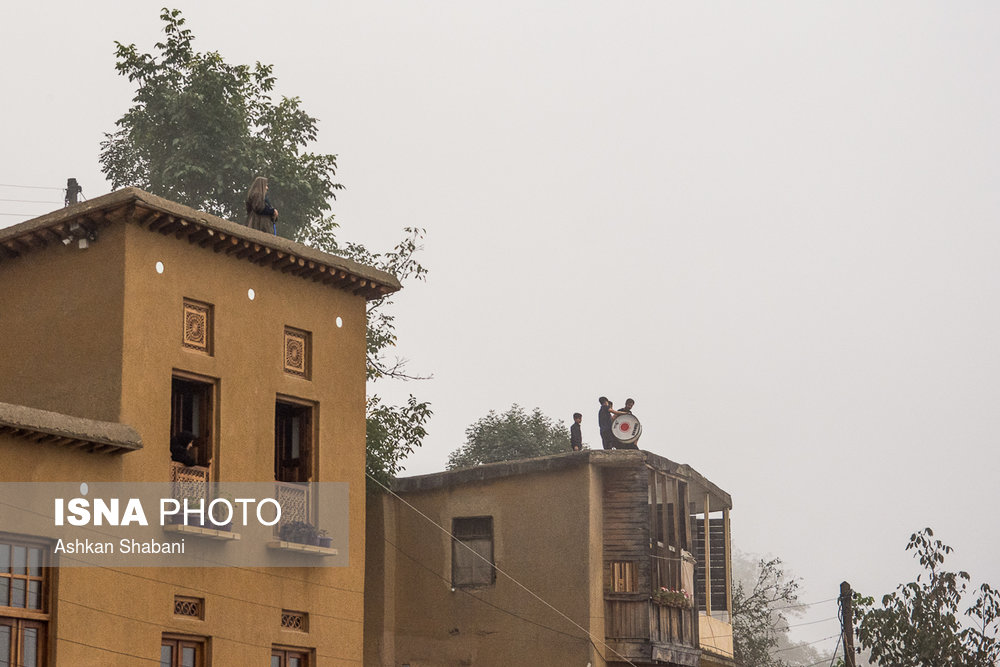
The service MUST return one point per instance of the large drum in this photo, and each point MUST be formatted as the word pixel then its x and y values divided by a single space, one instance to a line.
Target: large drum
pixel 626 429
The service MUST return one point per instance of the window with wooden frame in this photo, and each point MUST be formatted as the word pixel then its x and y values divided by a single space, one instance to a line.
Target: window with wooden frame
pixel 182 651
pixel 197 331
pixel 192 409
pixel 472 552
pixel 624 576
pixel 290 657
pixel 293 437
pixel 24 608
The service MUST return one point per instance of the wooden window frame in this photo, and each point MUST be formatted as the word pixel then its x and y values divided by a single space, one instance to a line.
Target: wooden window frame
pixel 180 642
pixel 464 537
pixel 624 576
pixel 208 401
pixel 306 463
pixel 19 619
pixel 283 653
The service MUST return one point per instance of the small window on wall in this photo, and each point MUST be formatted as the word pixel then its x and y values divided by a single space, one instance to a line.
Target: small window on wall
pixel 472 552
pixel 182 651
pixel 297 352
pixel 624 577
pixel 192 411
pixel 197 332
pixel 293 425
pixel 289 657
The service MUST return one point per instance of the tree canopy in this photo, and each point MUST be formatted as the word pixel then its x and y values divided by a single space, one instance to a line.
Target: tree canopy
pixel 199 130
pixel 919 625
pixel 514 434
pixel 763 594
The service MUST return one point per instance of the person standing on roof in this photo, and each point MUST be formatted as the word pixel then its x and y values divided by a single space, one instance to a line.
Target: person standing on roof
pixel 604 420
pixel 575 436
pixel 260 214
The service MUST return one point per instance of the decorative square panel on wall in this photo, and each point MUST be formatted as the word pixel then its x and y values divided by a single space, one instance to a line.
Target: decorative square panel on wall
pixel 297 352
pixel 197 326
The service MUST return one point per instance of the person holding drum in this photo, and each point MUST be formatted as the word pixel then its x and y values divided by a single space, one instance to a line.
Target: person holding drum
pixel 631 426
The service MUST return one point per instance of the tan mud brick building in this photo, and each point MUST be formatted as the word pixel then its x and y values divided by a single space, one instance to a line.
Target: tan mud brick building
pixel 127 319
pixel 590 537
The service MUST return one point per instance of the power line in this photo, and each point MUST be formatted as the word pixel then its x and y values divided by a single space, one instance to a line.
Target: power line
pixel 33 201
pixel 31 187
pixel 790 648
pixel 174 628
pixel 504 573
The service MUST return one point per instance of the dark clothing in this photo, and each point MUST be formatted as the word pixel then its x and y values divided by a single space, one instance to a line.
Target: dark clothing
pixel 182 455
pixel 604 423
pixel 262 218
pixel 575 437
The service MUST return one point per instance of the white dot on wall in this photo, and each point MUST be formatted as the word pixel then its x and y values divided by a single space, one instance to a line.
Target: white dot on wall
pixel 159 267
pixel 340 322
pixel 83 489
pixel 251 294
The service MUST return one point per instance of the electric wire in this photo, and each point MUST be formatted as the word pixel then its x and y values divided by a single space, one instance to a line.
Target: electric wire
pixel 476 597
pixel 173 628
pixel 499 570
pixel 33 201
pixel 31 187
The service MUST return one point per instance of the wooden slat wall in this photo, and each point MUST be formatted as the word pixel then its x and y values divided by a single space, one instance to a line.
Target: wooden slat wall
pixel 719 565
pixel 627 520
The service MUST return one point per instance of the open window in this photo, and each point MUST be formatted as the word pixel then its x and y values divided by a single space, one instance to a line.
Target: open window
pixel 293 451
pixel 192 410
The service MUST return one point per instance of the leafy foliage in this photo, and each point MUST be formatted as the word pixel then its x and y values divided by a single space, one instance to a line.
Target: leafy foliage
pixel 512 435
pixel 199 131
pixel 919 625
pixel 393 432
pixel 763 597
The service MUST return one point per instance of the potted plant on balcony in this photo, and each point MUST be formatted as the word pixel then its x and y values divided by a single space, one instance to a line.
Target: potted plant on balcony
pixel 323 539
pixel 299 532
pixel 666 597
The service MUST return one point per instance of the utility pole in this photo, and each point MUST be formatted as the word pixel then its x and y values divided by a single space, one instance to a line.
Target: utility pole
pixel 847 623
pixel 72 190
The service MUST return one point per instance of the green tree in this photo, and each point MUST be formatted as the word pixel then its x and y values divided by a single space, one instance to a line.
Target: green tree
pixel 512 435
pixel 199 130
pixel 764 595
pixel 393 431
pixel 919 625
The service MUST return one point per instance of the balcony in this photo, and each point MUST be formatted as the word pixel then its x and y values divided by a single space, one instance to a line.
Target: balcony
pixel 642 630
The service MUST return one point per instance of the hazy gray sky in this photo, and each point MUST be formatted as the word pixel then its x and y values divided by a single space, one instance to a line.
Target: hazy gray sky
pixel 772 224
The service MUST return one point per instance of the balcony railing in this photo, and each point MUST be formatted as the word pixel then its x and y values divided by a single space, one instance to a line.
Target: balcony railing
pixel 294 500
pixel 189 481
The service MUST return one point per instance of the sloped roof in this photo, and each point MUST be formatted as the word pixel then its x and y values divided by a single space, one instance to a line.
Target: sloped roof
pixel 44 427
pixel 155 214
